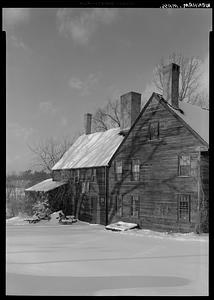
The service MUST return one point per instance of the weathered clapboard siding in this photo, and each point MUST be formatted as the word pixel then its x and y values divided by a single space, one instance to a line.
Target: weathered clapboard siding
pixel 160 183
pixel 90 204
pixel 204 172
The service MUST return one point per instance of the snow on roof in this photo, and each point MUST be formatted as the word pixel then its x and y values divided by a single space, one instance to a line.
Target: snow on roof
pixel 91 150
pixel 96 149
pixel 45 185
pixel 196 117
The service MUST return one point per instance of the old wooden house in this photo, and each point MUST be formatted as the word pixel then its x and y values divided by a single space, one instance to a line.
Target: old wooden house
pixel 153 170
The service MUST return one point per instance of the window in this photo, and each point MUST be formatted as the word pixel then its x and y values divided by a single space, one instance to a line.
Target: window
pixel 118 170
pixel 89 174
pixel 153 130
pixel 77 175
pixel 135 171
pixel 85 187
pixel 118 202
pixel 184 207
pixel 93 177
pixel 135 206
pixel 184 165
pixel 83 174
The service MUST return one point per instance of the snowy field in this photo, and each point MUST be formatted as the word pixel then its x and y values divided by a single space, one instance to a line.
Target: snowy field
pixel 83 259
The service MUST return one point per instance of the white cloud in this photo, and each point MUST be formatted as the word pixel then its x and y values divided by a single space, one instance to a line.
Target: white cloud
pixel 76 83
pixel 84 86
pixel 204 79
pixel 64 121
pixel 47 107
pixel 18 43
pixel 17 131
pixel 14 16
pixel 80 24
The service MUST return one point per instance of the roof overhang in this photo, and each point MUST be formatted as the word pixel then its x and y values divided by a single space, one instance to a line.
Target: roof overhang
pixel 45 186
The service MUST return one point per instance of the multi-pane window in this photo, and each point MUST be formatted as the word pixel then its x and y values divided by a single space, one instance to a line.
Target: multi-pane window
pixel 118 170
pixel 135 206
pixel 135 170
pixel 119 203
pixel 184 165
pixel 153 130
pixel 184 207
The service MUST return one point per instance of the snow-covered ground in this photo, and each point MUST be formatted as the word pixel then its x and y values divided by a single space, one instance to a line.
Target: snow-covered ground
pixel 82 259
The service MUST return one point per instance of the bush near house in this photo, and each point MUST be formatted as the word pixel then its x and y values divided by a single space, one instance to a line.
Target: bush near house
pixel 16 201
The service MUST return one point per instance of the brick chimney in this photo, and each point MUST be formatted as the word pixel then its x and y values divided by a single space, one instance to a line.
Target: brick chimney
pixel 130 106
pixel 87 123
pixel 171 84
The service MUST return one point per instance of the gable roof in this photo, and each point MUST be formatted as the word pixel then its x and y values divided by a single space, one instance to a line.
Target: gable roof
pixel 98 149
pixel 91 150
pixel 194 116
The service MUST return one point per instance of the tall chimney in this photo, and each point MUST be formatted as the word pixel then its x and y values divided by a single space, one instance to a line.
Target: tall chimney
pixel 171 84
pixel 87 123
pixel 130 106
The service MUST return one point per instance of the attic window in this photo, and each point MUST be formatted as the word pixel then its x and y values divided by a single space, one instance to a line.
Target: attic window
pixel 153 133
pixel 184 165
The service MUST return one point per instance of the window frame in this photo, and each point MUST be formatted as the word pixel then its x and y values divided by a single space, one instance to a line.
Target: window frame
pixel 94 174
pixel 77 175
pixel 157 136
pixel 119 205
pixel 134 173
pixel 184 213
pixel 183 165
pixel 135 206
pixel 118 175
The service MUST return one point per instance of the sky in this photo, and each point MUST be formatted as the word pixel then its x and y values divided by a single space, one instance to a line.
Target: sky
pixel 64 62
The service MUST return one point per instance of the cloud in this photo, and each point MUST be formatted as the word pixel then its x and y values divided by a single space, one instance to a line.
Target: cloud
pixel 47 107
pixel 14 16
pixel 64 121
pixel 81 24
pixel 204 79
pixel 16 130
pixel 18 43
pixel 84 87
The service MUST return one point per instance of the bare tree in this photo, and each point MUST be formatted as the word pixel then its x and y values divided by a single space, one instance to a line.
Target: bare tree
pixel 48 152
pixel 189 75
pixel 107 117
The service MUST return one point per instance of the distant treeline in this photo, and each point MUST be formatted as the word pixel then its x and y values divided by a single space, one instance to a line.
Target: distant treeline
pixel 16 184
pixel 26 178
